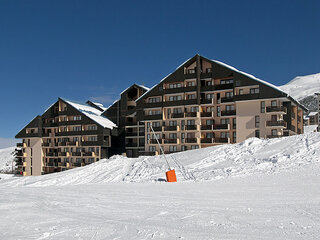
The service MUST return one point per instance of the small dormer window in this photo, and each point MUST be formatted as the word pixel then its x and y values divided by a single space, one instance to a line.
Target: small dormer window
pixel 208 70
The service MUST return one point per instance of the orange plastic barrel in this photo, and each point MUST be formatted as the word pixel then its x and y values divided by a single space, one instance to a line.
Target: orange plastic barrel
pixel 171 176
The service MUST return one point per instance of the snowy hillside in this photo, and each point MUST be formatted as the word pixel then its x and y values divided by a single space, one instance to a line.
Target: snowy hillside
pixel 253 156
pixel 6 159
pixel 303 86
pixel 258 189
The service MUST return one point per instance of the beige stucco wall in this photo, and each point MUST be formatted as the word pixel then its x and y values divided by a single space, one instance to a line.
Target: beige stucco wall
pixel 37 155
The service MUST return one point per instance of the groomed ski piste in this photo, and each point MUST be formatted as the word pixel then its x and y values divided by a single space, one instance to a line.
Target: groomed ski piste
pixel 257 189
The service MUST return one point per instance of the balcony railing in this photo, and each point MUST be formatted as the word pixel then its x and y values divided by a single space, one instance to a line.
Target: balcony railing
pixel 246 97
pixel 206 101
pixel 206 140
pixel 223 86
pixel 166 141
pixel 228 113
pixel 220 126
pixel 177 115
pixel 276 109
pixel 280 123
pixel 153 117
pixel 191 114
pixel 154 141
pixel 191 140
pixel 226 99
pixel 206 114
pixel 131 134
pixel 191 127
pixel 131 144
pixel 156 129
pixel 221 140
pixel 206 127
pixel 170 128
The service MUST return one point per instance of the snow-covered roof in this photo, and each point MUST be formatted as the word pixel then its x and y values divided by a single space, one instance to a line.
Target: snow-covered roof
pixel 111 104
pixel 312 113
pixel 92 113
pixel 250 76
pixel 100 105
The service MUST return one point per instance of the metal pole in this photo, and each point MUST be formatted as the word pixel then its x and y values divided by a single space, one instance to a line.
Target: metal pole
pixel 160 146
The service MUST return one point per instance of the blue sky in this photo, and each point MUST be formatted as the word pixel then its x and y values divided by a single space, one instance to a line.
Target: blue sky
pixel 94 49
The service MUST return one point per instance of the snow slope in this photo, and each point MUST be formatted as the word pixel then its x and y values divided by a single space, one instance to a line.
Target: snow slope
pixel 302 86
pixel 253 156
pixel 258 189
pixel 6 159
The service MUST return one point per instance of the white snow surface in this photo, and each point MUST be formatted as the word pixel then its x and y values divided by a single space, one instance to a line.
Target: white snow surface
pixel 310 128
pixel 257 189
pixel 303 86
pixel 6 159
pixel 93 114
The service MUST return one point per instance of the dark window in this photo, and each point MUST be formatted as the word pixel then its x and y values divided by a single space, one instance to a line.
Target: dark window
pixel 257 133
pixel 257 121
pixel 234 123
pixel 254 90
pixel 263 107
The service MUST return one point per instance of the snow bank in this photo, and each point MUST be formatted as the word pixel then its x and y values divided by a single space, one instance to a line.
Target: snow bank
pixel 253 156
pixel 6 159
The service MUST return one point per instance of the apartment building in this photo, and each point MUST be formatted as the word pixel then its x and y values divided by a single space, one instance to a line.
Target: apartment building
pixel 205 103
pixel 123 113
pixel 202 103
pixel 67 135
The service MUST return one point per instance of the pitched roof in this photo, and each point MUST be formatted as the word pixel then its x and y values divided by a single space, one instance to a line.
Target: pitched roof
pixel 92 113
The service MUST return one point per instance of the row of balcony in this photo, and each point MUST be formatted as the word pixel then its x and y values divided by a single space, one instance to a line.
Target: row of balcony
pixel 190 140
pixel 69 154
pixel 75 144
pixel 189 115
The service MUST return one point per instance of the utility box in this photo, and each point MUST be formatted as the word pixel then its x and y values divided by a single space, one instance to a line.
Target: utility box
pixel 171 176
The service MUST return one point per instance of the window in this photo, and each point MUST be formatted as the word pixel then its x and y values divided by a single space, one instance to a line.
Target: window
pixel 154 99
pixel 209 122
pixel 177 110
pixel 273 103
pixel 154 112
pixel 152 148
pixel 225 135
pixel 190 122
pixel 92 127
pixel 209 96
pixel 160 88
pixel 194 146
pixel 209 109
pixel 191 71
pixel 156 124
pixel 230 108
pixel 208 70
pixel 234 135
pixel 191 83
pixel 274 132
pixel 225 121
pixel 194 109
pixel 209 135
pixel 172 123
pixel 183 148
pixel 240 91
pixel 229 94
pixel 257 121
pixel 191 96
pixel 172 148
pixel 257 133
pixel 92 138
pixel 76 128
pixel 263 107
pixel 228 81
pixel 208 83
pixel 90 160
pixel 175 85
pixel 175 98
pixel 218 111
pixel 75 139
pixel 91 149
pixel 254 90
pixel 76 118
pixel 234 123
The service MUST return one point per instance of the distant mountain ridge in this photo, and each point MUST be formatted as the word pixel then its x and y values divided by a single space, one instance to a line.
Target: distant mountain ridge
pixel 303 88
